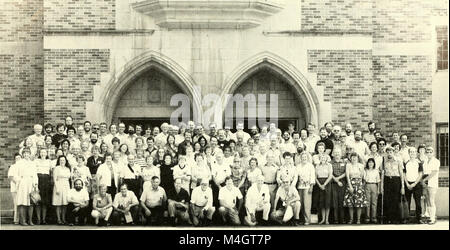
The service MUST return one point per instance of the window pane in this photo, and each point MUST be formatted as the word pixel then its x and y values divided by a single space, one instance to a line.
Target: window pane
pixel 442 143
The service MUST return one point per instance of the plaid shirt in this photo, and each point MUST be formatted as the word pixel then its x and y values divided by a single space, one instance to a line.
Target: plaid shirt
pixel 338 168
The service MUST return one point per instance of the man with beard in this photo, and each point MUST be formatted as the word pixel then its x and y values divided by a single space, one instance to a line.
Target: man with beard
pixel 48 129
pixel 287 145
pixel 87 131
pixel 350 138
pixel 324 138
pixel 78 199
pixel 254 131
pixel 130 139
pixel 359 146
pixel 94 141
pixel 329 127
pixel 222 139
pixel 187 141
pixel 337 142
pixel 370 136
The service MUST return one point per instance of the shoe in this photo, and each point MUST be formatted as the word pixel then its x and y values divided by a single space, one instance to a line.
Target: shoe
pixel 367 221
pixel 23 224
pixel 432 222
pixel 306 224
pixel 358 222
pixel 71 224
pixel 375 221
pixel 44 223
pixel 350 222
pixel 16 223
pixel 297 223
pixel 30 223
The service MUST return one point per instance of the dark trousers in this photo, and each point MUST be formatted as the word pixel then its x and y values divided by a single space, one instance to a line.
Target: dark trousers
pixel 80 214
pixel 156 217
pixel 416 192
pixel 392 194
pixel 112 190
pixel 117 216
pixel 133 185
pixel 337 194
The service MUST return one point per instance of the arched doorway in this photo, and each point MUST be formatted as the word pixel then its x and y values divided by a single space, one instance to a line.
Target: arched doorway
pixel 267 73
pixel 146 101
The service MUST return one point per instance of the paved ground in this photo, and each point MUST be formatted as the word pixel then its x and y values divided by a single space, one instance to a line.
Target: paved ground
pixel 440 225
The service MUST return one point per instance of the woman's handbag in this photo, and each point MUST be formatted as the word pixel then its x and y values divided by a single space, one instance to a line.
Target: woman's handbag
pixel 404 208
pixel 35 197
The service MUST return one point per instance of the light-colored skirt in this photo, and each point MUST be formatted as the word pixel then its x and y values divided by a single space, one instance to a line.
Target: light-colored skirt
pixel 24 188
pixel 61 192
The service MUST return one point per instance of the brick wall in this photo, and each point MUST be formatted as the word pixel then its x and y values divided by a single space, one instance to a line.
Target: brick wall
pixel 21 75
pixel 346 76
pixel 337 15
pixel 402 95
pixel 21 20
pixel 79 14
pixel 70 76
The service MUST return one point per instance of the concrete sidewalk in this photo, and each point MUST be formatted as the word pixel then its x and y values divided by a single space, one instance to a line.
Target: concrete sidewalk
pixel 440 225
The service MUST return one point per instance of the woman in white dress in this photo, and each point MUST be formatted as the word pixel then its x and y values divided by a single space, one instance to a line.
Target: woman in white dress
pixel 27 182
pixel 61 180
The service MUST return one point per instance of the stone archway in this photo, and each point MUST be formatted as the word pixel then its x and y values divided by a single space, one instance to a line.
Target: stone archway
pixel 270 62
pixel 107 98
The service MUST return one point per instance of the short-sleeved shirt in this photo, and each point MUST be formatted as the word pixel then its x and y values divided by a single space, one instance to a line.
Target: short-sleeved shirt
pixel 78 196
pixel 181 196
pixel 153 198
pixel 306 175
pixel 12 173
pixel 391 167
pixel 230 197
pixel 412 169
pixel 328 144
pixel 101 201
pixel 292 194
pixel 125 201
pixel 324 170
pixel 433 165
pixel 221 171
pixel 372 176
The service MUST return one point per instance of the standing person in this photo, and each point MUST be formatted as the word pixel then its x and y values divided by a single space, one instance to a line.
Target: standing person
pixel 93 163
pixel 327 141
pixel 166 172
pixel 78 201
pixel 178 204
pixel 61 180
pixel 102 206
pixel 432 165
pixel 338 185
pixel 148 172
pixel 27 182
pixel 130 174
pixel 370 136
pixel 108 175
pixel 43 167
pixel 202 209
pixel 355 194
pixel 230 202
pixel 200 171
pixel 372 179
pixel 359 146
pixel 154 202
pixel 375 155
pixel 13 182
pixel 422 157
pixel 290 204
pixel 305 183
pixel 219 171
pixel 324 174
pixel 257 199
pixel 269 171
pixel 413 177
pixel 125 206
pixel 59 136
pixel 80 171
pixel 393 186
pixel 254 171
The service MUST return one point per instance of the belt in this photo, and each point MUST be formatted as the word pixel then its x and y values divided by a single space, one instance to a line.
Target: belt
pixel 391 177
pixel 270 183
pixel 371 183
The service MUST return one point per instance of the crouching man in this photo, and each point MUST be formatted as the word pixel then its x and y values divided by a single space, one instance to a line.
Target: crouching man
pixel 78 199
pixel 154 202
pixel 178 204
pixel 230 199
pixel 125 207
pixel 257 200
pixel 290 206
pixel 202 209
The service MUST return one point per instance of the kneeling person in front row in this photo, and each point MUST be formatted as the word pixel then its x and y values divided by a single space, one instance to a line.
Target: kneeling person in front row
pixel 230 199
pixel 154 202
pixel 290 199
pixel 102 206
pixel 78 199
pixel 258 199
pixel 178 204
pixel 202 209
pixel 125 206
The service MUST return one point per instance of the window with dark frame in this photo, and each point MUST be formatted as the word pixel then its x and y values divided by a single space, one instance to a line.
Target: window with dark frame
pixel 442 143
pixel 442 50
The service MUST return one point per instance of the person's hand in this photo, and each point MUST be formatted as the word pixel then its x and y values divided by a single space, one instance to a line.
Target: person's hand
pixel 381 190
pixel 147 212
pixel 76 209
pixel 413 185
pixel 410 187
pixel 340 184
pixel 127 209
pixel 322 187
pixel 402 191
pixel 310 190
pixel 253 218
pixel 351 190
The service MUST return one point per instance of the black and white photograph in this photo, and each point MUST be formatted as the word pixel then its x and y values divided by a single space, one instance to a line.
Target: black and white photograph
pixel 233 115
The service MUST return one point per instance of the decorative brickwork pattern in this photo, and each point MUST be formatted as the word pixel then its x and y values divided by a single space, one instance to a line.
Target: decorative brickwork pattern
pixel 402 95
pixel 346 76
pixel 70 76
pixel 21 20
pixel 80 14
pixel 337 15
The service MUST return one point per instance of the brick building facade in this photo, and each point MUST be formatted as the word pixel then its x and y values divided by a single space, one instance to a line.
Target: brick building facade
pixel 335 60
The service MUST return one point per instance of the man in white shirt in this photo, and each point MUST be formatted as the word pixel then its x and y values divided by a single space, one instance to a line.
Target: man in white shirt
pixel 432 166
pixel 287 145
pixel 230 199
pixel 359 146
pixel 404 148
pixel 350 138
pixel 257 199
pixel 154 203
pixel 413 176
pixel 161 138
pixel 108 138
pixel 125 206
pixel 202 209
pixel 121 134
pixel 78 199
pixel 108 174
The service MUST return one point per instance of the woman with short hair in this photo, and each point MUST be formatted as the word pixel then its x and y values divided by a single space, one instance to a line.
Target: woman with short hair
pixel 355 194
pixel 43 168
pixel 27 182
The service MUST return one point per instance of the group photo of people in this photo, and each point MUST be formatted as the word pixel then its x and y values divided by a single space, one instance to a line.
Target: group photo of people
pixel 189 174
